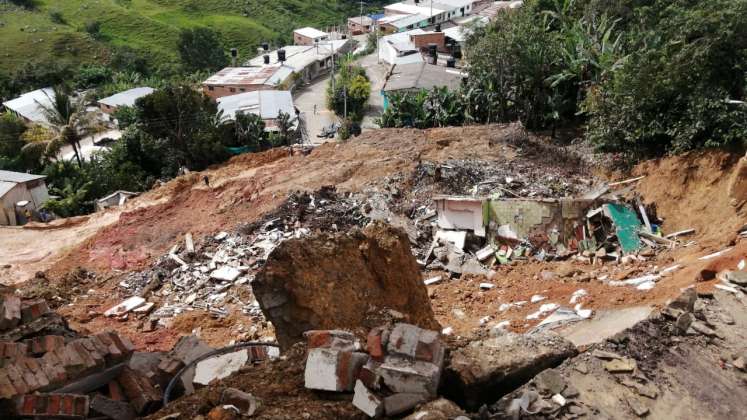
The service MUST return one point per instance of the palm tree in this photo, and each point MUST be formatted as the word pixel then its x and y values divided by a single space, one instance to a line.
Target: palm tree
pixel 69 121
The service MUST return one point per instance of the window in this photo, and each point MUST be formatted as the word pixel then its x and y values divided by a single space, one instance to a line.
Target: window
pixel 242 90
pixel 232 89
pixel 210 88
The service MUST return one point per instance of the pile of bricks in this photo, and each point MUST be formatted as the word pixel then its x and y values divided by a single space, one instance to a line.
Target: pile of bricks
pixel 399 369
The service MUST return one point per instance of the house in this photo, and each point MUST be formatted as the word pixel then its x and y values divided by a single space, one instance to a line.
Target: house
pixel 236 80
pixel 268 104
pixel 110 104
pixel 115 199
pixel 20 192
pixel 490 12
pixel 417 76
pixel 30 106
pixel 306 62
pixel 400 23
pixel 405 47
pixel 436 11
pixel 360 25
pixel 309 36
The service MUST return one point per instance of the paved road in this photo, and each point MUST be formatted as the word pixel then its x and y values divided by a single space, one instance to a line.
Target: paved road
pixel 305 99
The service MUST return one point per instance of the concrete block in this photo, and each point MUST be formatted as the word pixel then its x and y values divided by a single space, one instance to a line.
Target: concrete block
pixel 367 401
pixel 414 342
pixel 219 367
pixel 402 402
pixel 408 376
pixel 369 375
pixel 332 370
pixel 10 312
pixel 69 406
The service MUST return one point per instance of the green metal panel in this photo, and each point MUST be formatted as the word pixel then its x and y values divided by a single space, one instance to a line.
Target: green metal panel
pixel 627 226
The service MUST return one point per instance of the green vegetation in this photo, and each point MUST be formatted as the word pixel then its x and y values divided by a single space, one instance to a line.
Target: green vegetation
pixel 643 77
pixel 65 34
pixel 351 91
pixel 200 49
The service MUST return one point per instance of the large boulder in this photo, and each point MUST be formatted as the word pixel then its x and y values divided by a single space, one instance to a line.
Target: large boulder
pixel 485 370
pixel 342 281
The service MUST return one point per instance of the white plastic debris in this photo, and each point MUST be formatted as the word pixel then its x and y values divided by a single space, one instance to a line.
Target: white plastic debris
pixel 741 265
pixel 432 280
pixel 484 320
pixel 578 294
pixel 546 308
pixel 715 254
pixel 447 331
pixel 583 313
pixel 221 236
pixel 486 286
pixel 646 285
pixel 537 298
pixel 559 400
pixel 225 273
pixel 671 269
pixel 636 281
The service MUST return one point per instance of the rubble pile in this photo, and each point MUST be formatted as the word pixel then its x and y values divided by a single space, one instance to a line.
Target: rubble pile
pixel 215 275
pixel 693 349
pixel 54 372
pixel 342 281
pixel 514 179
pixel 399 369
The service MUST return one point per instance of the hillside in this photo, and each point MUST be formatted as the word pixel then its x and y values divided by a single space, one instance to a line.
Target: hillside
pixel 151 26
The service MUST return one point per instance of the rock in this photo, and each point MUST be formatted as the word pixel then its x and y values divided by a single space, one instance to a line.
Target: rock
pixel 570 391
pixel 739 363
pixel 118 410
pixel 686 300
pixel 402 402
pixel 440 409
pixel 478 371
pixel 605 355
pixel 474 268
pixel 567 270
pixel 226 412
pixel 225 273
pixel 581 368
pixel 637 406
pixel 331 281
pixel 646 390
pixel 550 381
pixel 737 277
pixel 219 367
pixel 245 402
pixel 683 322
pixel 559 400
pixel 702 328
pixel 620 365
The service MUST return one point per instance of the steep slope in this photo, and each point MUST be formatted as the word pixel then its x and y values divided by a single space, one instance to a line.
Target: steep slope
pixel 151 25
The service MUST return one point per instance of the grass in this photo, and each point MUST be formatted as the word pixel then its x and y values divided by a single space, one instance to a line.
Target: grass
pixel 153 26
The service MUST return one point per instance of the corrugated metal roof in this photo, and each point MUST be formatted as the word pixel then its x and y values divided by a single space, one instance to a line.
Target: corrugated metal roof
pixel 243 75
pixel 5 187
pixel 412 9
pixel 310 32
pixel 29 105
pixel 298 57
pixel 128 97
pixel 265 103
pixel 18 177
pixel 422 76
pixel 408 20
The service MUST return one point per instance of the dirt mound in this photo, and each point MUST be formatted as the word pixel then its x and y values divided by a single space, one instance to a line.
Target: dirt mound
pixel 342 281
pixel 697 190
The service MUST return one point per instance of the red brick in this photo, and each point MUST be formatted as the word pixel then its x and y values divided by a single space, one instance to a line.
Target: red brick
pixel 318 338
pixel 33 310
pixel 374 344
pixel 115 391
pixel 28 405
pixel 54 404
pixel 38 372
pixel 138 389
pixel 68 402
pixel 16 378
pixel 81 406
pixel 122 343
pixel 6 387
pixel 84 355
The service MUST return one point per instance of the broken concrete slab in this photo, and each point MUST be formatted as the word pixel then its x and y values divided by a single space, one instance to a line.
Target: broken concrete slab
pixel 402 402
pixel 112 409
pixel 485 370
pixel 367 401
pixel 226 273
pixel 125 306
pixel 416 343
pixel 407 376
pixel 622 365
pixel 219 367
pixel 605 324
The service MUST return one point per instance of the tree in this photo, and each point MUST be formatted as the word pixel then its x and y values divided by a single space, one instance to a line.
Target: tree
pixel 250 130
pixel 200 49
pixel 352 88
pixel 69 119
pixel 286 135
pixel 11 141
pixel 186 120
